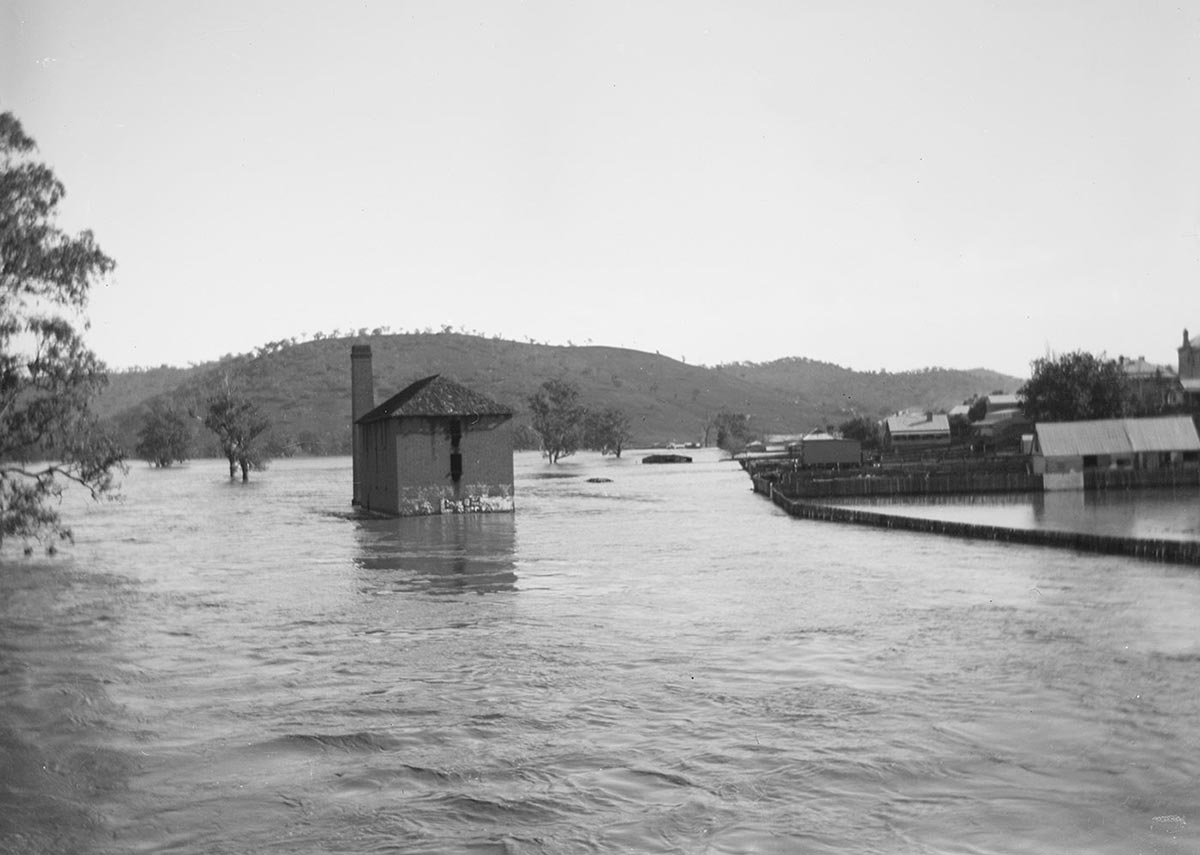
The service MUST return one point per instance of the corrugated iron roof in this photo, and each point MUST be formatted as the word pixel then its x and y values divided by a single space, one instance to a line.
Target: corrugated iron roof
pixel 1075 439
pixel 1117 436
pixel 1169 433
pixel 436 396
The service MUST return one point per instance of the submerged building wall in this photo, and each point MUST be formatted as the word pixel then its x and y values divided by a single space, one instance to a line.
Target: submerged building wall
pixel 440 469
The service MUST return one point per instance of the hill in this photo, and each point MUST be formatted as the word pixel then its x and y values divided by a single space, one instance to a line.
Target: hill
pixel 305 388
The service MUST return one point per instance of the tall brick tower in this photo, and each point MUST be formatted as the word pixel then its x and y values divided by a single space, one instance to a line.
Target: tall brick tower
pixel 362 401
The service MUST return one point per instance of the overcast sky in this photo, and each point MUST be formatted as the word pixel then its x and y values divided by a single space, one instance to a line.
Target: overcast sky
pixel 877 184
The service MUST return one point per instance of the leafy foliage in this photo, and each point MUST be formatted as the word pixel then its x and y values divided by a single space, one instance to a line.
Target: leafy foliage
pixel 865 430
pixel 1074 386
pixel 733 430
pixel 606 430
pixel 238 424
pixel 165 437
pixel 557 418
pixel 48 377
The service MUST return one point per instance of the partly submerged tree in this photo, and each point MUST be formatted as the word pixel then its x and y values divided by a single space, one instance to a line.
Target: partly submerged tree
pixel 49 437
pixel 1075 386
pixel 732 429
pixel 606 431
pixel 239 425
pixel 165 436
pixel 557 418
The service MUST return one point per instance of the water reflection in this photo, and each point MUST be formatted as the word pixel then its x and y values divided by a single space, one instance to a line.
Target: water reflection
pixel 1172 514
pixel 444 554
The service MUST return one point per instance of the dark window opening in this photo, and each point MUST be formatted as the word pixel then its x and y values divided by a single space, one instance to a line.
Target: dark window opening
pixel 1090 461
pixel 456 469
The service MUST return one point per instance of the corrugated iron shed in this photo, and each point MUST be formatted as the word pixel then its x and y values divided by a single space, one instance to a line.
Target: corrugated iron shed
pixel 1117 436
pixel 436 396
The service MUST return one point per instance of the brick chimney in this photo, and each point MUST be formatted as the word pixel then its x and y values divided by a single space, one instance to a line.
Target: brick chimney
pixel 362 401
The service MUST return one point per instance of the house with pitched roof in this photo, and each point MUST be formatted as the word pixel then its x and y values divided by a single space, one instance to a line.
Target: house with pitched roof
pixel 434 447
pixel 1154 388
pixel 916 430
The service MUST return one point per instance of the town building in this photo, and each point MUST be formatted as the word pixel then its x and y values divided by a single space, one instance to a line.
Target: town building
pixel 434 447
pixel 1064 451
pixel 1189 372
pixel 1003 422
pixel 916 431
pixel 1154 388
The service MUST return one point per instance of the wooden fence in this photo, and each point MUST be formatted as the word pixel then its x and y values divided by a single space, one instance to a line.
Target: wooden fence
pixel 802 485
pixel 1136 479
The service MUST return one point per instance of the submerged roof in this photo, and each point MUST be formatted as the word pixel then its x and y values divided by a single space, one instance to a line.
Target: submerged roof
pixel 436 396
pixel 1117 436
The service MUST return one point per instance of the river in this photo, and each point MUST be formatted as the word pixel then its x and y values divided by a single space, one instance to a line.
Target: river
pixel 662 662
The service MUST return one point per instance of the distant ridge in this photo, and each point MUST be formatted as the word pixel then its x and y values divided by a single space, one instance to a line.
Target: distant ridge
pixel 305 388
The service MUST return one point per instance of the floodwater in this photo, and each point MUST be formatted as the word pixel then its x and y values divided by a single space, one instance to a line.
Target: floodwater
pixel 1164 514
pixel 663 662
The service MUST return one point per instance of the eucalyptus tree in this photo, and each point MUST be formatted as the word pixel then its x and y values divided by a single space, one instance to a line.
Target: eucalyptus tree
pixel 607 430
pixel 49 436
pixel 240 426
pixel 557 418
pixel 165 436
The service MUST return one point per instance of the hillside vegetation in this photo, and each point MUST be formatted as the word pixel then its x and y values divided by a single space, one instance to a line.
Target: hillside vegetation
pixel 305 388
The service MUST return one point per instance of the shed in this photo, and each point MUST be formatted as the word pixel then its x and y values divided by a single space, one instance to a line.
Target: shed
pixel 434 447
pixel 827 452
pixel 1064 450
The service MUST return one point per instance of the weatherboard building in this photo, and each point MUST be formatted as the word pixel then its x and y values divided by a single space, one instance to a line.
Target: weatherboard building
pixel 434 447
